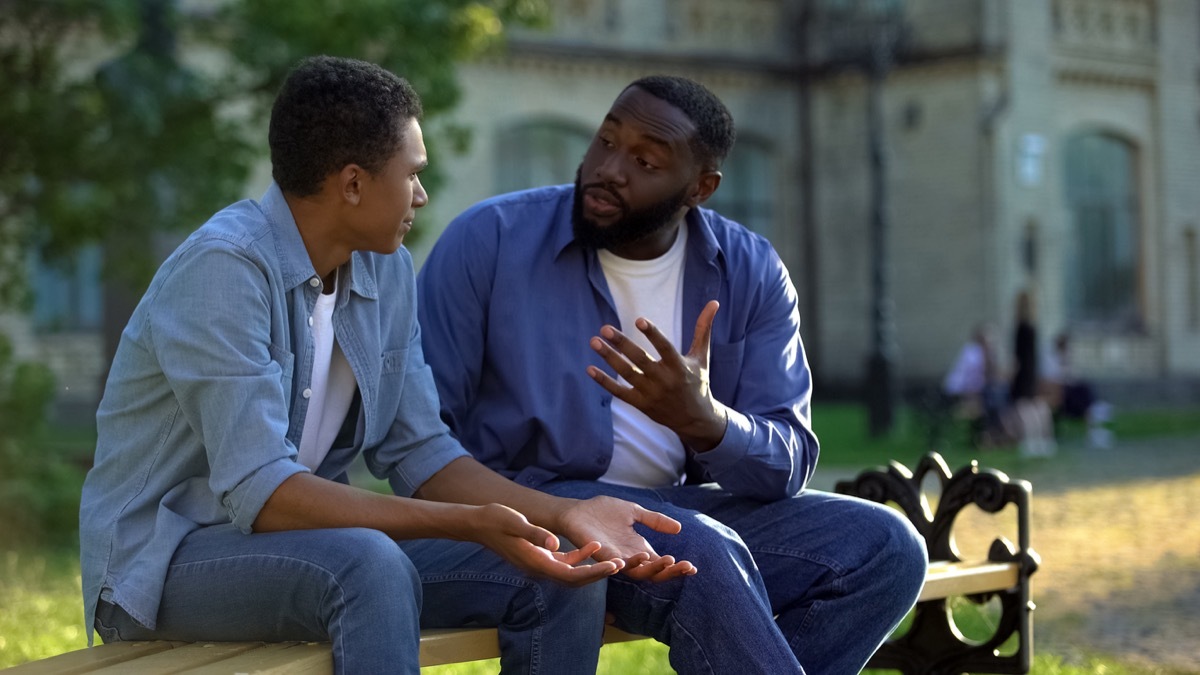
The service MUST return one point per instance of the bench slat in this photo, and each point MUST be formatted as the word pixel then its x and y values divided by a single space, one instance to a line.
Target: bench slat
pixel 946 578
pixel 181 658
pixel 281 658
pixel 440 646
pixel 89 660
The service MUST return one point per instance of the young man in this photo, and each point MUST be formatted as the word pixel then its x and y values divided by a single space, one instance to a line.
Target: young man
pixel 561 326
pixel 273 347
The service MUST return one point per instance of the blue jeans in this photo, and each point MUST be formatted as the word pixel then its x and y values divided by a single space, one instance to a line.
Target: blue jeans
pixel 819 579
pixel 360 590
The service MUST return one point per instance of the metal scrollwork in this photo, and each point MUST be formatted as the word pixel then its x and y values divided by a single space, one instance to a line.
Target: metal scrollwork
pixel 933 643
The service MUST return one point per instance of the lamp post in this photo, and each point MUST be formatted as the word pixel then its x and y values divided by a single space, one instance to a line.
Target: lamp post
pixel 866 34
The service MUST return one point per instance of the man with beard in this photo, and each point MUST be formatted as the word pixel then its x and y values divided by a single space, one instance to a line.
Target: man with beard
pixel 556 321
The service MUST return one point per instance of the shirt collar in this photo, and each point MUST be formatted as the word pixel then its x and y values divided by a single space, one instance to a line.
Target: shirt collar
pixel 294 264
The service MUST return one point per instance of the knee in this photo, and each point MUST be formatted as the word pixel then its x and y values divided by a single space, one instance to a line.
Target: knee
pixel 902 549
pixel 374 565
pixel 704 541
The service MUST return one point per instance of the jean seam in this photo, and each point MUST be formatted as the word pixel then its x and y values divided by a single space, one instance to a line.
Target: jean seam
pixel 341 655
pixel 676 626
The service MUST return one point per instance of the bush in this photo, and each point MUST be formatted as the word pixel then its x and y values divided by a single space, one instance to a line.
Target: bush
pixel 39 486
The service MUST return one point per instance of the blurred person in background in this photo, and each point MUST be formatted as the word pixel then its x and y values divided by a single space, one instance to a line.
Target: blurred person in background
pixel 1072 397
pixel 975 389
pixel 1030 422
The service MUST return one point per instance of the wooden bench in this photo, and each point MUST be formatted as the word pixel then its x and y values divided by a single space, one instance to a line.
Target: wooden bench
pixel 931 645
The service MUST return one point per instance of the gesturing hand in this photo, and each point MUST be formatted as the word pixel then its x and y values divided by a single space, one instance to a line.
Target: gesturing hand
pixel 534 550
pixel 674 390
pixel 610 521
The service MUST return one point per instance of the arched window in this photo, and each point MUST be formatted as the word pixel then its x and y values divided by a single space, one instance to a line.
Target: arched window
pixel 1103 255
pixel 539 152
pixel 747 192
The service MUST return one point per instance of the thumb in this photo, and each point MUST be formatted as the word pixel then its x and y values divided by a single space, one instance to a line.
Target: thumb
pixel 703 334
pixel 657 521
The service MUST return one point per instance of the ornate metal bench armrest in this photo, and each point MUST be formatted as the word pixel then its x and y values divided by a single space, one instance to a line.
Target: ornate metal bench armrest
pixel 933 643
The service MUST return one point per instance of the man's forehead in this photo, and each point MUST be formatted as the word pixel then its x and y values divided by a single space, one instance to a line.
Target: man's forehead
pixel 658 120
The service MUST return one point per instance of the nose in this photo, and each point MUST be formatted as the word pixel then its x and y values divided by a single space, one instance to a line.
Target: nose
pixel 420 197
pixel 610 169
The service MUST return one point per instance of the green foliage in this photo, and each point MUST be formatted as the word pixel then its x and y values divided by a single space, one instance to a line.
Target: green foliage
pixel 39 485
pixel 122 118
pixel 41 608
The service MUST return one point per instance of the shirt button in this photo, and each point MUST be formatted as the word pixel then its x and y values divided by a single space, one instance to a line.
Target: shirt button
pixel 600 461
pixel 314 282
pixel 310 321
pixel 307 393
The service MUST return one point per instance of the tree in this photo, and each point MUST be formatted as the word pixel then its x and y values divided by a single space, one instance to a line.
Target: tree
pixel 164 126
pixel 121 119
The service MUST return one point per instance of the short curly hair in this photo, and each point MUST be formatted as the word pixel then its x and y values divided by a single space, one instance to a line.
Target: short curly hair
pixel 331 112
pixel 715 131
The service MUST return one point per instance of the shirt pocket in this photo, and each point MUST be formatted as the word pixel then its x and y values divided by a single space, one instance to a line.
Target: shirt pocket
pixel 725 369
pixel 393 369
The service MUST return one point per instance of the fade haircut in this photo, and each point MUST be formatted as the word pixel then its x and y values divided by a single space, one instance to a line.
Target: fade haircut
pixel 331 112
pixel 714 125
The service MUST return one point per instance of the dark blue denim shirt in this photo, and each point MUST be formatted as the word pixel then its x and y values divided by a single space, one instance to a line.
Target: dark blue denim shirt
pixel 208 391
pixel 509 301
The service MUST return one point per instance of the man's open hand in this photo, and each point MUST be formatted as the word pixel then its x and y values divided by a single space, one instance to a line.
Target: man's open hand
pixel 674 390
pixel 610 521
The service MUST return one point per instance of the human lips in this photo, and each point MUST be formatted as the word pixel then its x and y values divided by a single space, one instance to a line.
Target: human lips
pixel 601 202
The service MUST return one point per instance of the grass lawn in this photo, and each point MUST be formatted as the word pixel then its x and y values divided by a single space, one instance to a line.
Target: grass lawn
pixel 41 609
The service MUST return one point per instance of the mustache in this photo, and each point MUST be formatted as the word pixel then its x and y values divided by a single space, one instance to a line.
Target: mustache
pixel 612 193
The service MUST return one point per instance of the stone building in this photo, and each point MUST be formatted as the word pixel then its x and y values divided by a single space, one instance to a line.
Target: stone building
pixel 1052 145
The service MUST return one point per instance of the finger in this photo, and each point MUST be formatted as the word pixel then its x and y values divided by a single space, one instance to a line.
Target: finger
pixel 576 556
pixel 657 521
pixel 703 335
pixel 630 349
pixel 623 392
pixel 623 366
pixel 682 568
pixel 540 562
pixel 666 350
pixel 538 536
pixel 647 571
pixel 638 559
pixel 581 575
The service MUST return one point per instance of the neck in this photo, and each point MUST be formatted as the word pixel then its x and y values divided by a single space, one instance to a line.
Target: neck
pixel 317 222
pixel 652 245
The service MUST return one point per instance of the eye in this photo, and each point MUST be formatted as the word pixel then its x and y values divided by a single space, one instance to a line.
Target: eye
pixel 644 164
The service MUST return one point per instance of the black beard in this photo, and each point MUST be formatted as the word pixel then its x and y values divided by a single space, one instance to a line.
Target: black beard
pixel 633 226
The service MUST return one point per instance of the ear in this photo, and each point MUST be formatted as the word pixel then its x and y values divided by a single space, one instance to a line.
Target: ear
pixel 707 184
pixel 350 183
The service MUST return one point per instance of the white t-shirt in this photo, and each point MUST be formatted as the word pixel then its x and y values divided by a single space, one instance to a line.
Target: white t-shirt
pixel 332 388
pixel 645 453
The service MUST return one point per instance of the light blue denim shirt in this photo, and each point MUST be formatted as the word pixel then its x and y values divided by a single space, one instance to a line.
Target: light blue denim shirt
pixel 509 302
pixel 208 391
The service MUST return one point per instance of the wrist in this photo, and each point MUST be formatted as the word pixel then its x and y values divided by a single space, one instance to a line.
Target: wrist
pixel 707 433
